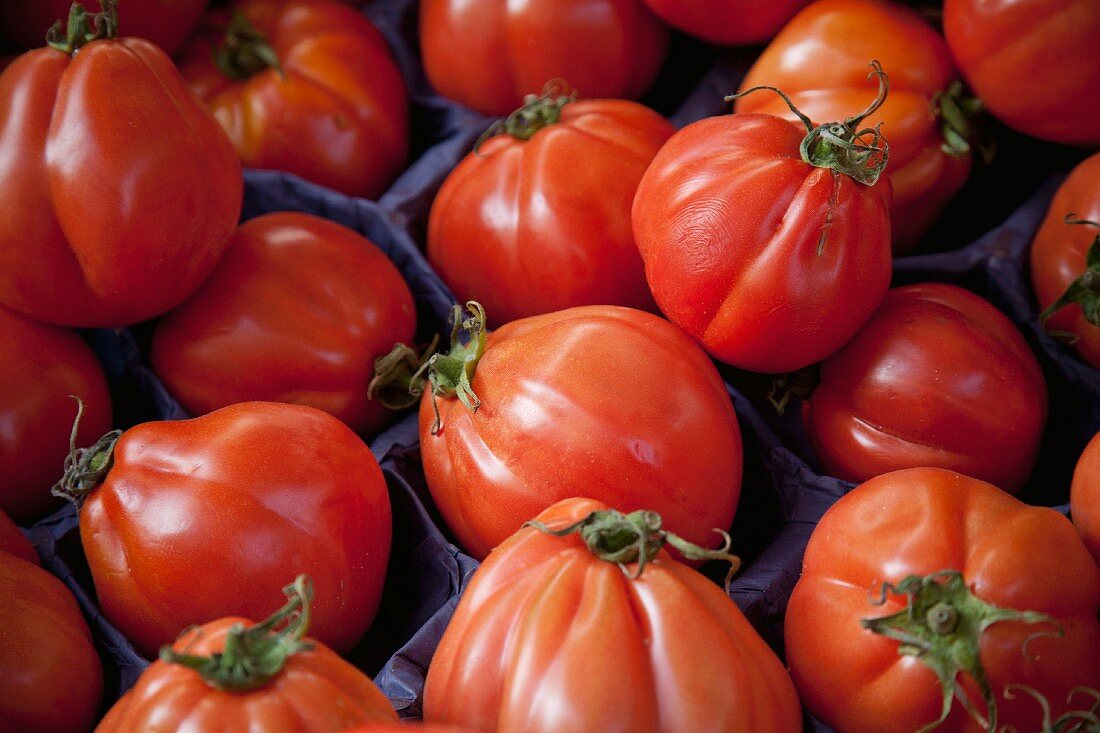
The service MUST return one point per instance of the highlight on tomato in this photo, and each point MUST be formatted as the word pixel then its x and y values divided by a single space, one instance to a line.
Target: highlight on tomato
pixel 588 625
pixel 727 22
pixel 1084 497
pixel 235 676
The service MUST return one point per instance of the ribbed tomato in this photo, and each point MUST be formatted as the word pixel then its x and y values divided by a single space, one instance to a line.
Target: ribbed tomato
pixel 727 21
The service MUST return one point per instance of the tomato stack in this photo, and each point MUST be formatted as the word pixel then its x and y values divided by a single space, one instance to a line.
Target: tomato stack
pixel 572 364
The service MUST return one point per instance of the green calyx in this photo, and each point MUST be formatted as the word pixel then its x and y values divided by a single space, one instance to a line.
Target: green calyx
pixel 960 119
pixel 636 537
pixel 245 51
pixel 1082 720
pixel 254 655
pixel 1085 290
pixel 85 468
pixel 83 27
pixel 942 626
pixel 537 112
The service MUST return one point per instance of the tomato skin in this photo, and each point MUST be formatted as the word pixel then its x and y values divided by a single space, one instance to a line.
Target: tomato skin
pixel 728 22
pixel 922 521
pixel 1059 250
pixel 329 120
pixel 728 220
pixel 14 542
pixel 51 679
pixel 479 53
pixel 238 499
pixel 520 228
pixel 123 190
pixel 561 414
pixel 42 366
pixel 937 377
pixel 296 311
pixel 548 637
pixel 1032 62
pixel 1084 497
pixel 833 35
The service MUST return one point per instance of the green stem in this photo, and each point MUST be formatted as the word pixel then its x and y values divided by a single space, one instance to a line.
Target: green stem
pixel 537 112
pixel 83 27
pixel 85 468
pixel 1085 290
pixel 245 51
pixel 961 123
pixel 396 382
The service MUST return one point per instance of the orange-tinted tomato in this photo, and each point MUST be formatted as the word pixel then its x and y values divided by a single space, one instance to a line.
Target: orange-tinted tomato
pixel 1084 497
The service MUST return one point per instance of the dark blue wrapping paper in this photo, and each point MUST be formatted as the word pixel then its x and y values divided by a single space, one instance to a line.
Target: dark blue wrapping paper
pixel 981 243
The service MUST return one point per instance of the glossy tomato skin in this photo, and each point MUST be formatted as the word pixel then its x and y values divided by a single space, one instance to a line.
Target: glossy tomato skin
pixel 487 54
pixel 922 521
pixel 1084 497
pixel 339 115
pixel 1033 63
pixel 837 35
pixel 729 221
pixel 13 541
pixel 1059 251
pixel 238 499
pixel 316 692
pixel 728 22
pixel 548 637
pixel 296 311
pixel 937 377
pixel 561 414
pixel 522 229
pixel 41 366
pixel 122 190
pixel 51 678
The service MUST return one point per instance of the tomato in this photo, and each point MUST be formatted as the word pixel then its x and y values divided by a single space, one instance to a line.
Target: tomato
pixel 390 727
pixel 269 678
pixel 563 410
pixel 487 54
pixel 553 634
pixel 937 377
pixel 520 228
pixel 950 546
pixel 42 365
pixel 1084 496
pixel 13 541
pixel 201 518
pixel 840 36
pixel 767 259
pixel 120 189
pixel 297 311
pixel 727 21
pixel 1060 256
pixel 51 678
pixel 1033 63
pixel 324 100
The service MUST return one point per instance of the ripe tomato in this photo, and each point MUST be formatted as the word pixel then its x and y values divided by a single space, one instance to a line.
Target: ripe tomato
pixel 561 413
pixel 50 675
pixel 925 170
pixel 1084 496
pixel 553 634
pixel 196 519
pixel 42 365
pixel 520 228
pixel 120 189
pixel 727 21
pixel 296 311
pixel 487 54
pixel 1033 63
pixel 268 679
pixel 767 258
pixel 937 377
pixel 1060 256
pixel 13 541
pixel 948 545
pixel 304 86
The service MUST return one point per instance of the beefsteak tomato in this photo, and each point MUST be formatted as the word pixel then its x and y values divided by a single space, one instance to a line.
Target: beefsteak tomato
pixel 922 589
pixel 729 22
pixel 1084 497
pixel 523 230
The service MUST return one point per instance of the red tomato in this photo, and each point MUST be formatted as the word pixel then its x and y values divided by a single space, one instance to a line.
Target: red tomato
pixel 1033 63
pixel 120 189
pixel 51 679
pixel 487 54
pixel 937 377
pixel 520 228
pixel 330 106
pixel 727 21
pixel 563 411
pixel 925 170
pixel 932 524
pixel 769 261
pixel 13 541
pixel 297 311
pixel 201 518
pixel 1059 256
pixel 42 365
pixel 391 727
pixel 1084 496
pixel 308 688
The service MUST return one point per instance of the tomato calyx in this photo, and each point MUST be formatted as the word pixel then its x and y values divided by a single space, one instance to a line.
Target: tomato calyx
pixel 788 386
pixel 1085 290
pixel 1073 721
pixel 84 468
pixel 537 112
pixel 244 51
pixel 83 27
pixel 396 383
pixel 960 116
pixel 254 655
pixel 636 537
pixel 942 626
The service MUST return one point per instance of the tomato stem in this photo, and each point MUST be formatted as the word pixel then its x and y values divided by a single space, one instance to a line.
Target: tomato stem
pixel 960 123
pixel 1075 721
pixel 245 51
pixel 1085 290
pixel 537 112
pixel 397 383
pixel 83 27
pixel 84 468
